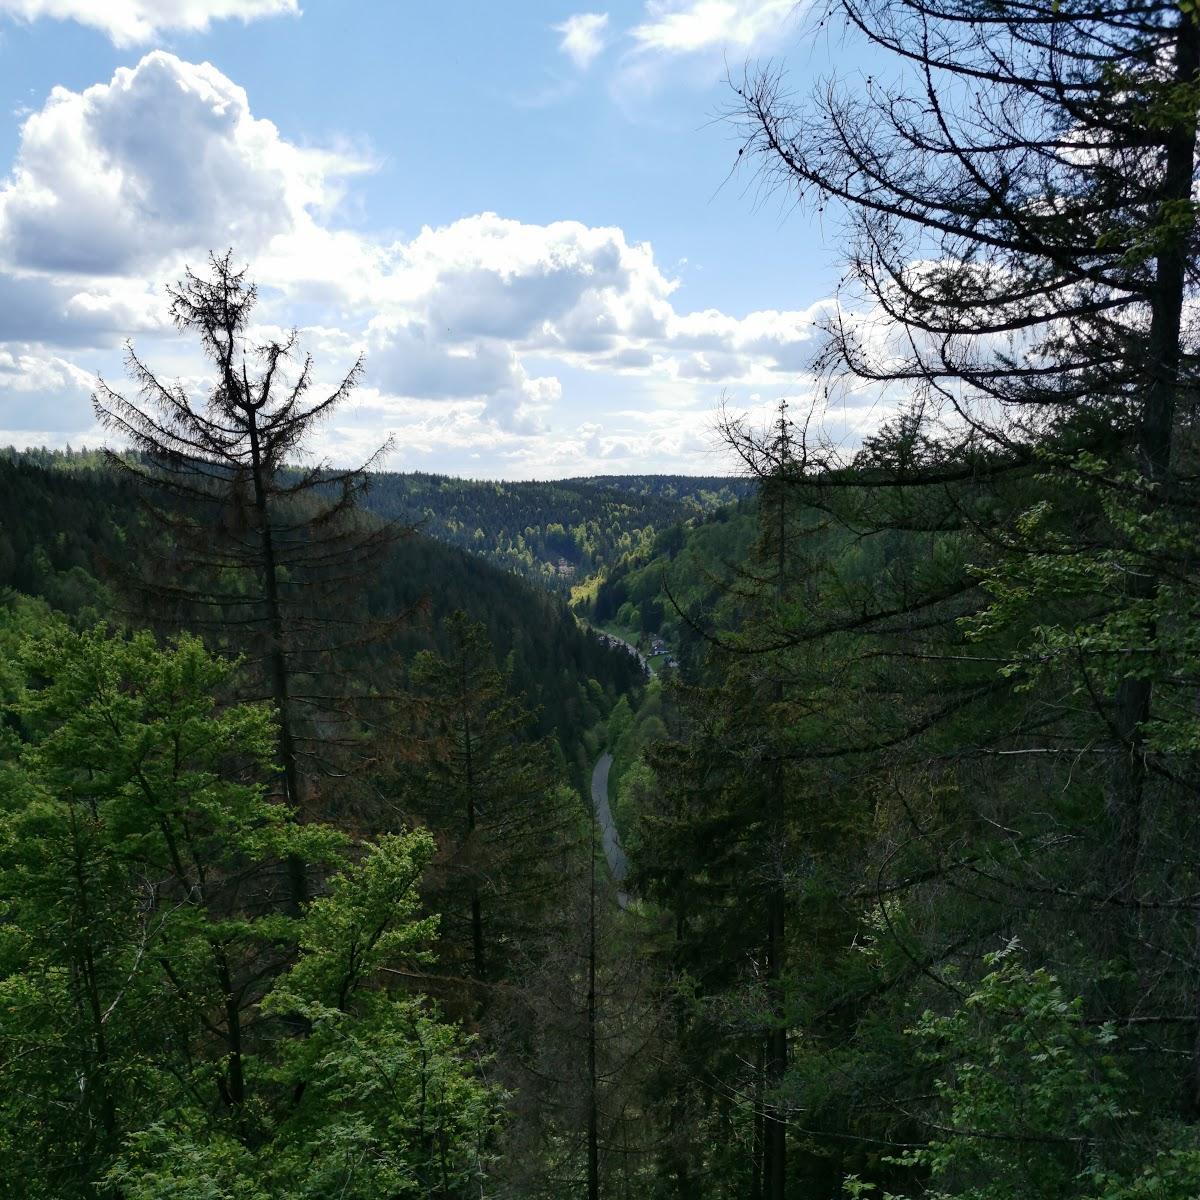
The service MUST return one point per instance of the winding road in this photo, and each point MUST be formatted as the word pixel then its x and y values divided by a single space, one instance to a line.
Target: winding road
pixel 618 864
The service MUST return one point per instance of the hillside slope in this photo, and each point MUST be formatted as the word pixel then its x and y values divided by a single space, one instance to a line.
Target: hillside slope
pixel 683 568
pixel 555 533
pixel 61 515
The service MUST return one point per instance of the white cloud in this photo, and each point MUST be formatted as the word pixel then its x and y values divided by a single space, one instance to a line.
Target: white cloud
pixel 124 181
pixel 486 335
pixel 135 22
pixel 583 37
pixel 42 309
pixel 46 396
pixel 462 307
pixel 166 159
pixel 676 27
pixel 29 375
pixel 408 359
pixel 560 286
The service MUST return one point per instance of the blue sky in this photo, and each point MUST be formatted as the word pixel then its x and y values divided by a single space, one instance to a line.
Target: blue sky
pixel 522 213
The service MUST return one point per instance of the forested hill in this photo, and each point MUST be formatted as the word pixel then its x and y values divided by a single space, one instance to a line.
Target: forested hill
pixel 64 515
pixel 684 570
pixel 553 532
pixel 294 903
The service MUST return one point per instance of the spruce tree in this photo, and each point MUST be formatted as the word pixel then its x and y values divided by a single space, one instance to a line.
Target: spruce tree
pixel 1020 249
pixel 493 796
pixel 264 555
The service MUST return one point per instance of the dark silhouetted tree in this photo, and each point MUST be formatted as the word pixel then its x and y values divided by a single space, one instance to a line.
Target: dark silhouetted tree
pixel 267 557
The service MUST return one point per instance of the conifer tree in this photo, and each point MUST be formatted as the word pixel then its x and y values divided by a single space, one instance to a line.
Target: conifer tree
pixel 1021 238
pixel 492 795
pixel 988 669
pixel 150 995
pixel 266 556
pixel 718 847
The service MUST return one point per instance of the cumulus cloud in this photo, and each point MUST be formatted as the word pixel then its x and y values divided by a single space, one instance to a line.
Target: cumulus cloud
pixel 408 359
pixel 677 27
pixel 135 22
pixel 463 306
pixel 484 332
pixel 560 285
pixel 42 309
pixel 44 400
pixel 583 37
pixel 29 375
pixel 165 159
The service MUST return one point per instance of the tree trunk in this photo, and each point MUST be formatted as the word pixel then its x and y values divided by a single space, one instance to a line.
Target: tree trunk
pixel 277 662
pixel 774 1127
pixel 1134 696
pixel 235 1072
pixel 96 1080
pixel 593 1141
pixel 476 905
pixel 757 1141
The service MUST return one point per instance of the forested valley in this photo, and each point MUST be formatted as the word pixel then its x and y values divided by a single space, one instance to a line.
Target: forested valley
pixel 558 534
pixel 345 851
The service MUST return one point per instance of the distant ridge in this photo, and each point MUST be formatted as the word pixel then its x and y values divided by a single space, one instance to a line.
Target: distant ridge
pixel 555 532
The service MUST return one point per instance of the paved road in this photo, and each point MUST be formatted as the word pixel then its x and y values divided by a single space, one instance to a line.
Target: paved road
pixel 618 864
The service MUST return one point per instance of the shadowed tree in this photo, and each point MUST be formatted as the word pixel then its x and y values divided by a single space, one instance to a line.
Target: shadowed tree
pixel 1012 581
pixel 266 557
pixel 493 796
pixel 1021 237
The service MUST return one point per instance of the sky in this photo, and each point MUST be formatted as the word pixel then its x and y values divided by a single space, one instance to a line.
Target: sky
pixel 528 217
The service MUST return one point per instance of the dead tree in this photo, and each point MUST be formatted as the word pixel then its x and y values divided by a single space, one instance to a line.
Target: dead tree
pixel 266 556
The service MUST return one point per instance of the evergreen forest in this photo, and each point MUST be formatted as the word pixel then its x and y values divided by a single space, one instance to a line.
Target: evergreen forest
pixel 826 827
pixel 557 534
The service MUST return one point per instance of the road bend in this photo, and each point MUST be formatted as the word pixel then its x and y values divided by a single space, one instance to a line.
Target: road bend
pixel 618 864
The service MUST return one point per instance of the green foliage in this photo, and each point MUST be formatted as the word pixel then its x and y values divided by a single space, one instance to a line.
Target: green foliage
pixel 386 1100
pixel 80 522
pixel 1036 1101
pixel 1034 1092
pixel 685 568
pixel 391 1104
pixel 119 801
pixel 180 1162
pixel 1065 607
pixel 166 1028
pixel 906 717
pixel 555 534
pixel 492 795
pixel 56 530
pixel 367 919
